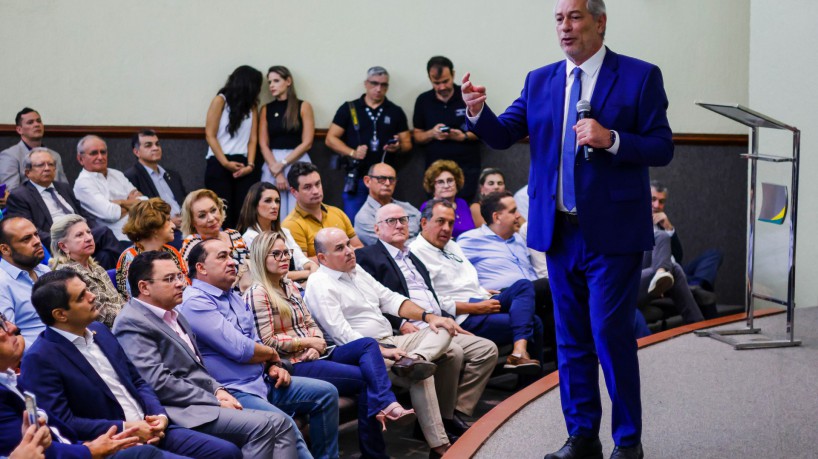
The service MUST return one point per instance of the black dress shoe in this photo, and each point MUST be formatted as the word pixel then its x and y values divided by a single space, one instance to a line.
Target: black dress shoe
pixel 417 433
pixel 414 369
pixel 628 452
pixel 455 426
pixel 577 447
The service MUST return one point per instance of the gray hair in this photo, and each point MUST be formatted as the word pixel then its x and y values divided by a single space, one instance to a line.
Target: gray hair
pixel 27 159
pixel 658 186
pixel 376 71
pixel 59 231
pixel 430 207
pixel 595 7
pixel 81 143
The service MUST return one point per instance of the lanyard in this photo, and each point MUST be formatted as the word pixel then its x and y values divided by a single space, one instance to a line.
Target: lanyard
pixel 375 142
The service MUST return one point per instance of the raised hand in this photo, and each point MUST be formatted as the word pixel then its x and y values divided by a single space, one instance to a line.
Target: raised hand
pixel 473 95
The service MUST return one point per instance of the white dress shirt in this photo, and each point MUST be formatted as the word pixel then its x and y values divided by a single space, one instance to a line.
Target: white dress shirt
pixel 453 276
pixel 95 191
pixel 97 359
pixel 53 208
pixel 349 306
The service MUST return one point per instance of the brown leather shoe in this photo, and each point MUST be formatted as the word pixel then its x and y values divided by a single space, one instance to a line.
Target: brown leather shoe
pixel 414 369
pixel 522 365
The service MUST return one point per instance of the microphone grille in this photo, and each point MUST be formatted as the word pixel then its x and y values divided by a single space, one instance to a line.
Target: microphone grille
pixel 583 106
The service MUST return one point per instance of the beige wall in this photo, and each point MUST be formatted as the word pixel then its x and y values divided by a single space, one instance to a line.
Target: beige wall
pixel 158 63
pixel 782 66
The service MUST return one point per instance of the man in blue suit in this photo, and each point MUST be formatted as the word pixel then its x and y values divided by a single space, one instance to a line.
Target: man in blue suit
pixel 592 215
pixel 79 372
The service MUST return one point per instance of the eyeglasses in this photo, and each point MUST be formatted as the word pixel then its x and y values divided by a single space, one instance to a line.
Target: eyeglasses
pixel 384 179
pixel 4 326
pixel 443 182
pixel 378 83
pixel 49 164
pixel 451 256
pixel 394 221
pixel 171 278
pixel 280 255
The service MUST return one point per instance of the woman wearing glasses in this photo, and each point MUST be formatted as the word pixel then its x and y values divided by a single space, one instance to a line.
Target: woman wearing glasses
pixel 284 323
pixel 150 228
pixel 443 179
pixel 72 245
pixel 286 131
pixel 260 213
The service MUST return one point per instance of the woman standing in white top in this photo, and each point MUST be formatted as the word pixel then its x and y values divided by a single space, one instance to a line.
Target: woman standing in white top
pixel 260 213
pixel 286 131
pixel 231 132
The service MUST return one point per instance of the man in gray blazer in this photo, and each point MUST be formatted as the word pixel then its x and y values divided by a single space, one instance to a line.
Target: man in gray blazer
pixel 161 345
pixel 31 129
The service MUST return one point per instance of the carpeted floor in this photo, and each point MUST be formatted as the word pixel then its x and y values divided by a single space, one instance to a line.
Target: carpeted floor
pixel 702 399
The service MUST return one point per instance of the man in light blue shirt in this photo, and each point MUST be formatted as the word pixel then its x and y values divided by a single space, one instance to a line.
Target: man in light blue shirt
pixel 20 267
pixel 235 357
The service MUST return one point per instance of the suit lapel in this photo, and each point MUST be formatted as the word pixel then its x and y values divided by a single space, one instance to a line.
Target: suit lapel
pixel 39 203
pixel 120 369
pixel 395 268
pixel 605 81
pixel 165 328
pixel 140 169
pixel 558 96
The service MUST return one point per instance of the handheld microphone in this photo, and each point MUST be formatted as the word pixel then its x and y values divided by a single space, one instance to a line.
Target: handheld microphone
pixel 584 111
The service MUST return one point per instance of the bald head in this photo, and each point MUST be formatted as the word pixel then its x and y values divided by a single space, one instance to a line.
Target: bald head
pixel 333 249
pixel 381 181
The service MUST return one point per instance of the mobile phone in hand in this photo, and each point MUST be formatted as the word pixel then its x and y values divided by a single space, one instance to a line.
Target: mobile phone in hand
pixel 31 407
pixel 392 141
pixel 445 129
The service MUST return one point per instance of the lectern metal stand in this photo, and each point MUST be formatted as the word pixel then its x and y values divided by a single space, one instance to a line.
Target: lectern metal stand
pixel 755 121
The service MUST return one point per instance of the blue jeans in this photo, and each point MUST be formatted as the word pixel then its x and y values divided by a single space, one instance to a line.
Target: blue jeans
pixel 354 201
pixel 312 397
pixel 357 369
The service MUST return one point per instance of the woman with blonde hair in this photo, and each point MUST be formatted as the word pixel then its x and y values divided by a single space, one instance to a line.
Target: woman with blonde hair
pixel 203 214
pixel 284 323
pixel 72 245
pixel 150 228
pixel 443 179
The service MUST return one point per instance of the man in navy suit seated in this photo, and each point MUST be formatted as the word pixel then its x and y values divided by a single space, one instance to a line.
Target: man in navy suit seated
pixel 79 371
pixel 52 437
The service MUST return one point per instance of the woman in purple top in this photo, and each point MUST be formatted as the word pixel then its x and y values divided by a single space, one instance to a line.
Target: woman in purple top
pixel 443 179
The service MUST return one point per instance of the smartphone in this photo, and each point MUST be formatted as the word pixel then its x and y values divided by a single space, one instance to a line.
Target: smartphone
pixel 445 129
pixel 31 407
pixel 328 352
pixel 392 141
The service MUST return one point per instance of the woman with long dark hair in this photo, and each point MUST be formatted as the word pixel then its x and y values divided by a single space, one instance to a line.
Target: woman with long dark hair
pixel 231 130
pixel 286 131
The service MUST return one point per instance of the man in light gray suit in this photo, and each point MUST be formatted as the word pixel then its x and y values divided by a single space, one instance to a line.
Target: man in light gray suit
pixel 12 168
pixel 161 345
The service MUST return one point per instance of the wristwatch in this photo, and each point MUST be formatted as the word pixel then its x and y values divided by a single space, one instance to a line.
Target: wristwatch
pixel 613 139
pixel 423 316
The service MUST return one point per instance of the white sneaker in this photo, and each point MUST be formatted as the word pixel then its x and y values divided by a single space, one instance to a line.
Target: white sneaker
pixel 661 282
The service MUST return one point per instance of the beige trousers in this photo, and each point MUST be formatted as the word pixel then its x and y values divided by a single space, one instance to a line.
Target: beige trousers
pixel 461 383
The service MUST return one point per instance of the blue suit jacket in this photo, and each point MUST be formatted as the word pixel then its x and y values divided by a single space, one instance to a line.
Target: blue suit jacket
pixel 11 418
pixel 612 191
pixel 68 386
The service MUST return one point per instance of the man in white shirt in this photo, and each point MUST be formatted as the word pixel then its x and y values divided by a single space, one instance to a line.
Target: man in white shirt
pixel 79 372
pixel 105 193
pixel 348 303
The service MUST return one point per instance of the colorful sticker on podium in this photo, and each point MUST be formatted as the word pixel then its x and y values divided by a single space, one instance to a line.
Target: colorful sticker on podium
pixel 774 203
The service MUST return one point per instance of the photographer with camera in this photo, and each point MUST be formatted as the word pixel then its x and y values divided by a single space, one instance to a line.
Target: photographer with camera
pixel 440 125
pixel 367 131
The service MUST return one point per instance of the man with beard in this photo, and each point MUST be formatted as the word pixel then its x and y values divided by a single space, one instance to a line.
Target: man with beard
pixel 20 267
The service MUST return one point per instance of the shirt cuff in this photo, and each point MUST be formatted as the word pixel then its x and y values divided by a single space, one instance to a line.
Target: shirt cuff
pixel 615 147
pixel 473 119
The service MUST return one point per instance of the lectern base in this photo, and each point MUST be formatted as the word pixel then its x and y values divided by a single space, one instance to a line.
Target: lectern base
pixel 725 337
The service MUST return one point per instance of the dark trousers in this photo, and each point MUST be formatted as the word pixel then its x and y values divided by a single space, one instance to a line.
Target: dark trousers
pixel 108 247
pixel 232 190
pixel 702 271
pixel 354 201
pixel 181 442
pixel 594 312
pixel 357 369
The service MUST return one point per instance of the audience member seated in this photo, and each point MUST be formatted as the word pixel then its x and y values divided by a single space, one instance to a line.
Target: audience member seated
pixel 381 180
pixel 40 441
pixel 30 126
pixel 161 345
pixel 203 214
pixel 311 214
pixel 284 323
pixel 491 180
pixel 103 192
pixel 262 212
pixel 79 372
pixel 20 267
pixel 440 124
pixel 703 269
pixel 150 227
pixel 348 303
pixel 231 131
pixel 252 372
pixel 71 248
pixel 40 199
pixel 365 131
pixel 392 264
pixel 442 179
pixel 286 129
pixel 660 275
pixel 154 181
pixel 506 317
